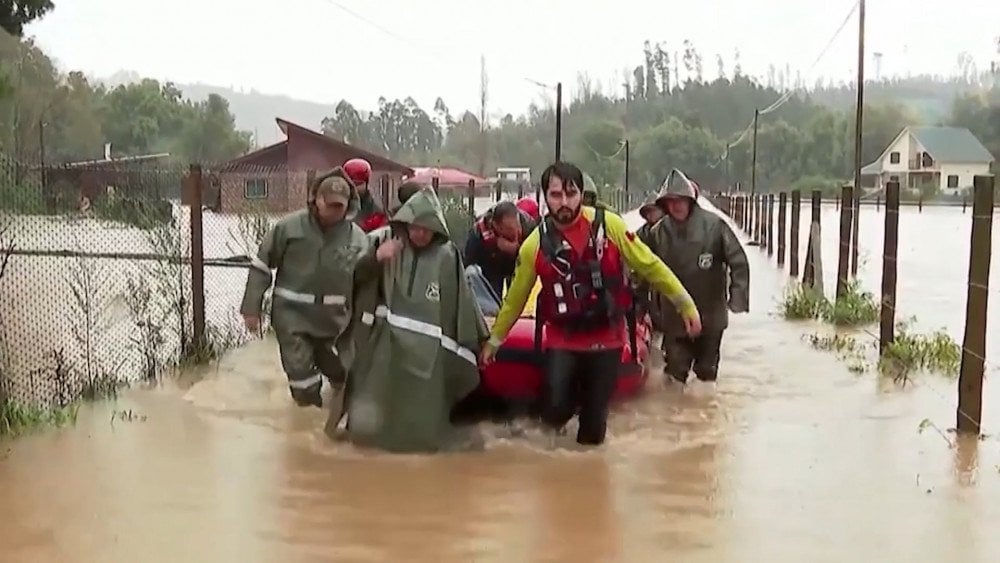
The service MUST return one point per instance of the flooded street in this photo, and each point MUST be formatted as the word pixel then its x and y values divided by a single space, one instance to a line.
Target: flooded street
pixel 793 458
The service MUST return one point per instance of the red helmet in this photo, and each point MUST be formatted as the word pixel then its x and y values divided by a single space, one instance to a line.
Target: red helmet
pixel 529 206
pixel 358 170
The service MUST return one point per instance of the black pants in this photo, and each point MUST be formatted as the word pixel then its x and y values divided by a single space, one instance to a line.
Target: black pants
pixel 682 354
pixel 584 379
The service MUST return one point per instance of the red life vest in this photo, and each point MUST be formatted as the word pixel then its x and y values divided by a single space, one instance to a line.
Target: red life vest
pixel 581 293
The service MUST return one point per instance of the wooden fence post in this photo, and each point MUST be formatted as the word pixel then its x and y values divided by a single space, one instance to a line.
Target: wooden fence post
pixel 812 273
pixel 197 262
pixel 472 199
pixel 844 250
pixel 970 380
pixel 769 226
pixel 890 246
pixel 793 234
pixel 782 200
pixel 310 178
pixel 762 226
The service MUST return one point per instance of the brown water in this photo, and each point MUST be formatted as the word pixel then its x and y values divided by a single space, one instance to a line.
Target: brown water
pixel 793 458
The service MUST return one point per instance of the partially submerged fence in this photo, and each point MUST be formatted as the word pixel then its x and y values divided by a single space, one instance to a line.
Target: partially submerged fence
pixel 113 273
pixel 753 215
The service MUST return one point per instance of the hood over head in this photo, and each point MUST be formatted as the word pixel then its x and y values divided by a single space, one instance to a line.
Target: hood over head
pixel 588 184
pixel 353 204
pixel 423 209
pixel 676 185
pixel 648 205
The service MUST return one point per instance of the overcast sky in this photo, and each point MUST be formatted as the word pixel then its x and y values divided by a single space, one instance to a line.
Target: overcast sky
pixel 325 50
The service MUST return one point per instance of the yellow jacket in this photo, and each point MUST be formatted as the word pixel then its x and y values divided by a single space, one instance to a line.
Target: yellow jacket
pixel 636 254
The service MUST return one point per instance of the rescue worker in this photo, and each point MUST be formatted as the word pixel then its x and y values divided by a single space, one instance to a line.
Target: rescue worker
pixel 417 358
pixel 589 191
pixel 370 216
pixel 651 214
pixel 701 248
pixel 580 254
pixel 647 301
pixel 493 242
pixel 314 252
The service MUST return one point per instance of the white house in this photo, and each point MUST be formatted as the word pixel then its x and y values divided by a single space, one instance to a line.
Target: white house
pixel 946 157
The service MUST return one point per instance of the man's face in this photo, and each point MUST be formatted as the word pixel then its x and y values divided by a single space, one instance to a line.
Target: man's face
pixel 653 214
pixel 563 199
pixel 508 227
pixel 330 210
pixel 679 208
pixel 420 237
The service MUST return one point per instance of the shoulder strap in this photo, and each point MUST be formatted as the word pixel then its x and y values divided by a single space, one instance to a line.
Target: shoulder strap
pixel 597 233
pixel 549 239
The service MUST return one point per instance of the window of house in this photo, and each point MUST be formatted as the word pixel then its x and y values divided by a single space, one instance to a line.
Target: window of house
pixel 952 181
pixel 926 161
pixel 894 158
pixel 255 188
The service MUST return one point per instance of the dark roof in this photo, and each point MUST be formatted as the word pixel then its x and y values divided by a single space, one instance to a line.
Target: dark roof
pixel 951 144
pixel 267 156
pixel 379 162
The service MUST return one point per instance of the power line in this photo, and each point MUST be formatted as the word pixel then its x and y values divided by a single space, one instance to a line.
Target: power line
pixel 788 93
pixel 421 48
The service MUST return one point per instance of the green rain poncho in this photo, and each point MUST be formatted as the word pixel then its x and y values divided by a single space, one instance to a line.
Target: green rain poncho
pixel 417 340
pixel 707 257
pixel 313 293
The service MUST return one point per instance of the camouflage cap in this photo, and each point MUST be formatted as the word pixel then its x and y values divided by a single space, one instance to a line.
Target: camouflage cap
pixel 334 189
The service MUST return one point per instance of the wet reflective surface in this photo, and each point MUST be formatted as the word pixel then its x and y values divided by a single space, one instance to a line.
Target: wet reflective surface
pixel 792 458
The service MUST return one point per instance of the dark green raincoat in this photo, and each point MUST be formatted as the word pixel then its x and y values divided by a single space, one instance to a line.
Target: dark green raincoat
pixel 313 293
pixel 707 257
pixel 417 339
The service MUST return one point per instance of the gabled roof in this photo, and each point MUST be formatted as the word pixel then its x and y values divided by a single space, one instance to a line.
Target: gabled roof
pixel 951 144
pixel 945 144
pixel 379 162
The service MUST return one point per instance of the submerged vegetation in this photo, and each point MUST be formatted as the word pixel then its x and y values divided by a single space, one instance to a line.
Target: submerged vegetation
pixel 910 352
pixel 127 321
pixel 856 307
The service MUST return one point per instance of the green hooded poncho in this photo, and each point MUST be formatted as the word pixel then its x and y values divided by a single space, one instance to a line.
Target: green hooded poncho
pixel 706 256
pixel 417 338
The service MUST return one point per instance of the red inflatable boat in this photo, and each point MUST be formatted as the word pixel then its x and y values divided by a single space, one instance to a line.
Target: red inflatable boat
pixel 516 372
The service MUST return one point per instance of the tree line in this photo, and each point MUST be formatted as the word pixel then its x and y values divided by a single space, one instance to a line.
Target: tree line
pixel 55 118
pixel 674 116
pixel 670 110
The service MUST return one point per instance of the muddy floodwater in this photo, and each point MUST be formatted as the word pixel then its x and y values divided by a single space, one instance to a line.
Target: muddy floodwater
pixel 792 458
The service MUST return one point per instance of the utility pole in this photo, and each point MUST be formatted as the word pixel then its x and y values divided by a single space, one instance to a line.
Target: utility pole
pixel 626 167
pixel 483 86
pixel 559 121
pixel 753 161
pixel 725 176
pixel 858 123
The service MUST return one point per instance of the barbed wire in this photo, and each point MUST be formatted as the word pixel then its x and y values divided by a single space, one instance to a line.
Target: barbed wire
pixel 988 366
